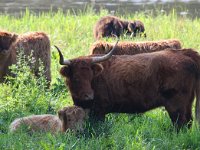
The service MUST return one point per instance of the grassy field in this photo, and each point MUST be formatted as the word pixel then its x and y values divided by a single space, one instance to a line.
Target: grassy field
pixel 72 32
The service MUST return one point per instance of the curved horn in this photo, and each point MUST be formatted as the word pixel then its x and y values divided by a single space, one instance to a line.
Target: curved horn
pixel 105 57
pixel 62 61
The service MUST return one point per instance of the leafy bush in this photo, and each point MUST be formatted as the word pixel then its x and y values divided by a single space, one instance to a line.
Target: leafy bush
pixel 25 94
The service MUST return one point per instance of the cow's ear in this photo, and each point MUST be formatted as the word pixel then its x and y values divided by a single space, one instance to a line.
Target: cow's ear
pixel 65 71
pixel 97 69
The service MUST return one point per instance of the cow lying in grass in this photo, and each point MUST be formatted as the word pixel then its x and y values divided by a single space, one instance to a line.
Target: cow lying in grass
pixel 36 43
pixel 42 123
pixel 71 118
pixel 131 48
pixel 110 26
pixel 136 83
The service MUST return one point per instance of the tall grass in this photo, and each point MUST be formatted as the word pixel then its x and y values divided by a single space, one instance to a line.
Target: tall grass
pixel 72 32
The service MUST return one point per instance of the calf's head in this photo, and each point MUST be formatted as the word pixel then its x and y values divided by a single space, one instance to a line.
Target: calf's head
pixel 79 74
pixel 72 117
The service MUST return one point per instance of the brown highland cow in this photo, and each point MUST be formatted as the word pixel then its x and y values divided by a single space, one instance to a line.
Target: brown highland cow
pixel 110 26
pixel 131 48
pixel 136 83
pixel 36 42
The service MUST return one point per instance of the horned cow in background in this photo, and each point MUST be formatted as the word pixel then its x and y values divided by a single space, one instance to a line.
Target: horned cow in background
pixel 109 26
pixel 36 43
pixel 136 83
pixel 131 48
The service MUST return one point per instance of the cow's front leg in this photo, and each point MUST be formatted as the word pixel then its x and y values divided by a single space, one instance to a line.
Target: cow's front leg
pixel 97 115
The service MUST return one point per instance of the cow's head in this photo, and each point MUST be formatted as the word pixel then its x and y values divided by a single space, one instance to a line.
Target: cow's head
pixel 79 73
pixel 136 27
pixel 131 27
pixel 6 40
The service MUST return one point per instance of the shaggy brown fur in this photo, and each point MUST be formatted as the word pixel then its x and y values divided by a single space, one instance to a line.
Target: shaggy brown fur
pixel 42 123
pixel 110 25
pixel 6 39
pixel 11 44
pixel 73 118
pixel 137 83
pixel 131 48
pixel 7 57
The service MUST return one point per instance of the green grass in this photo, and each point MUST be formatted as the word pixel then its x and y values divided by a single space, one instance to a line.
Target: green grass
pixel 72 32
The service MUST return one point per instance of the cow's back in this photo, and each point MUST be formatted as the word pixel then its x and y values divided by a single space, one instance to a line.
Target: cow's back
pixel 132 48
pixel 44 123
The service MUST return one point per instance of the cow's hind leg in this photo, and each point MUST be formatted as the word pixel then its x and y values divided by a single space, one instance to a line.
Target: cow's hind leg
pixel 179 108
pixel 181 117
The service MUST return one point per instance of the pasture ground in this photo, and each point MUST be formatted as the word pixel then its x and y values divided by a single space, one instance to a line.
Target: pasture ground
pixel 73 33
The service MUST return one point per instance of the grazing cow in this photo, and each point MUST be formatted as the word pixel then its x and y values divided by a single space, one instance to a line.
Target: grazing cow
pixel 135 83
pixel 72 117
pixel 110 25
pixel 132 48
pixel 36 42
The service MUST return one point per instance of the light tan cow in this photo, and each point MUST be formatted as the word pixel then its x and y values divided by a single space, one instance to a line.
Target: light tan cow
pixel 72 117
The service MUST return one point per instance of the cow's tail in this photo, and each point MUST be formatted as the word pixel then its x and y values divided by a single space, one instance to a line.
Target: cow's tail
pixel 195 57
pixel 197 109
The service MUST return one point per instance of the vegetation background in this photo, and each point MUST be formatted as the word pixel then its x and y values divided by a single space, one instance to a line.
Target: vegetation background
pixel 73 33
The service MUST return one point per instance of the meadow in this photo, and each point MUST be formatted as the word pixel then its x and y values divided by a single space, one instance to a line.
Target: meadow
pixel 73 33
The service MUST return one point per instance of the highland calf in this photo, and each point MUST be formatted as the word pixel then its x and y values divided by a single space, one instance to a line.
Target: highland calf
pixel 136 83
pixel 37 123
pixel 109 26
pixel 72 117
pixel 36 43
pixel 132 48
